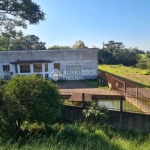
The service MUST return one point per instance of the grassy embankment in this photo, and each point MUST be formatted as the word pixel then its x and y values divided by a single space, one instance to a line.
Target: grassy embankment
pixel 130 73
pixel 76 136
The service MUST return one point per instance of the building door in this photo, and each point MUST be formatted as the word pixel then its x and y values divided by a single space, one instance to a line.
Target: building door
pixel 73 70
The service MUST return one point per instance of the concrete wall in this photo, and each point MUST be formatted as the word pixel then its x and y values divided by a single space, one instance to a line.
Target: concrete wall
pixel 123 120
pixel 54 55
pixel 86 58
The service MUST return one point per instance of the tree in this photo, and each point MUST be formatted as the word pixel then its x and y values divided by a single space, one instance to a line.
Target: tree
pixel 114 45
pixel 79 45
pixel 59 47
pixel 31 42
pixel 7 38
pixel 116 53
pixel 20 42
pixel 136 50
pixel 30 98
pixel 105 57
pixel 19 13
pixel 20 10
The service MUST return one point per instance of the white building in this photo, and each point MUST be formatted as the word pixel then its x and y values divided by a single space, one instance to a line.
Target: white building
pixel 51 64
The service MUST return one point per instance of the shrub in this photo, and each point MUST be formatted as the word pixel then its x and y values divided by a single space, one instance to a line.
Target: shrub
pixel 96 114
pixel 30 98
pixel 145 72
pixel 142 65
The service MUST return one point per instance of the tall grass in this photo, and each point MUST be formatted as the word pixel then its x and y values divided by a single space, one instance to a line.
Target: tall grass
pixel 78 136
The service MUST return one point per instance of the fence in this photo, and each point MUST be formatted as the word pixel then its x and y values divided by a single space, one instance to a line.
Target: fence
pixel 111 102
pixel 124 120
pixel 136 95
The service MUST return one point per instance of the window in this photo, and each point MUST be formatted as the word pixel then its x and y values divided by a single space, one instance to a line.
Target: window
pixel 16 69
pixel 7 77
pixel 37 67
pixel 56 65
pixel 25 68
pixel 6 68
pixel 46 76
pixel 46 67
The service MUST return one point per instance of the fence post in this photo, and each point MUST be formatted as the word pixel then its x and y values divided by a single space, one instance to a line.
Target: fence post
pixel 137 92
pixel 121 104
pixel 83 100
pixel 124 87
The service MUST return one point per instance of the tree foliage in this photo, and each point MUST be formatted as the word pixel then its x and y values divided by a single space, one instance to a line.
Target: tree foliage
pixel 79 45
pixel 22 9
pixel 114 45
pixel 136 50
pixel 116 53
pixel 30 98
pixel 19 13
pixel 54 47
pixel 20 42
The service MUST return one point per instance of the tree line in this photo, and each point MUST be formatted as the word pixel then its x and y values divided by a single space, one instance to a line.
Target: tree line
pixel 20 13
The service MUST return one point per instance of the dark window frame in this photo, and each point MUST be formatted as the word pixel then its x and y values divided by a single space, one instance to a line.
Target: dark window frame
pixel 56 65
pixel 6 68
pixel 25 69
pixel 46 67
pixel 37 67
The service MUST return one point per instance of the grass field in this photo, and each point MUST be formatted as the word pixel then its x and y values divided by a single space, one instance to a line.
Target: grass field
pixel 95 84
pixel 77 136
pixel 130 73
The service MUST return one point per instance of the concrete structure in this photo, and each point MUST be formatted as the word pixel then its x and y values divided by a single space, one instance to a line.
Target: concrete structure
pixel 123 120
pixel 52 64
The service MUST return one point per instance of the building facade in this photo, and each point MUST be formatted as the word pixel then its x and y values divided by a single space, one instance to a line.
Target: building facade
pixel 51 64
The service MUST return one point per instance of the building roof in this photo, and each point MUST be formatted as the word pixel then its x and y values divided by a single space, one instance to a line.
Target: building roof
pixel 78 97
pixel 31 61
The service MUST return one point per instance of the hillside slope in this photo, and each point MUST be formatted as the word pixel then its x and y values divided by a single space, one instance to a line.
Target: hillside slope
pixel 130 73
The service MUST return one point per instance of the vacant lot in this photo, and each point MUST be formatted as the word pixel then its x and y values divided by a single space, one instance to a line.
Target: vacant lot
pixel 130 73
pixel 82 86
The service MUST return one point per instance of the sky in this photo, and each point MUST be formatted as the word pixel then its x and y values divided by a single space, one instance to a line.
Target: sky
pixel 94 22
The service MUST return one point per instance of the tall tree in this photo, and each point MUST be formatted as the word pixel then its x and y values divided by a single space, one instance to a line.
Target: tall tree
pixel 20 42
pixel 32 42
pixel 18 12
pixel 116 53
pixel 114 45
pixel 22 9
pixel 79 45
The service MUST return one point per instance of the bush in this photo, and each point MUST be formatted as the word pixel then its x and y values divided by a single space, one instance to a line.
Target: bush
pixel 2 82
pixel 30 98
pixel 142 65
pixel 96 114
pixel 145 72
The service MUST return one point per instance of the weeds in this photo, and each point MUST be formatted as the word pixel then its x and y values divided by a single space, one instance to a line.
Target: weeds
pixel 77 136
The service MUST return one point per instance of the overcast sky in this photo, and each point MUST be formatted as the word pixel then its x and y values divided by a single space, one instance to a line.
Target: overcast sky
pixel 94 22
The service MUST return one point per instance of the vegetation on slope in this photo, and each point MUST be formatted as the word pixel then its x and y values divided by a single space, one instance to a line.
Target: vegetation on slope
pixel 77 136
pixel 130 73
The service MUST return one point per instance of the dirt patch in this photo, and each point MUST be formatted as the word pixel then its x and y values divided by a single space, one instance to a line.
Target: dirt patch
pixel 75 87
pixel 72 85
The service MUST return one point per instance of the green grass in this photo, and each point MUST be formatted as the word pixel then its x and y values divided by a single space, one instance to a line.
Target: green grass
pixel 78 136
pixel 96 84
pixel 129 73
pixel 143 56
pixel 65 102
pixel 145 72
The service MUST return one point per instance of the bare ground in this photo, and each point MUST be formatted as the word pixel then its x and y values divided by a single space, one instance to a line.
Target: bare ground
pixel 72 87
